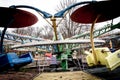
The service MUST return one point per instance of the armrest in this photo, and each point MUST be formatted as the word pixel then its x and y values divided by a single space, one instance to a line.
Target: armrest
pixel 27 55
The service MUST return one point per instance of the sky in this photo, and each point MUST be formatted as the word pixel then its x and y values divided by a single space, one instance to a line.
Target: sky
pixel 44 5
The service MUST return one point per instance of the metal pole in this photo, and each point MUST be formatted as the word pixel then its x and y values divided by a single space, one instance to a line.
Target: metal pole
pixel 3 33
pixel 53 19
pixel 92 39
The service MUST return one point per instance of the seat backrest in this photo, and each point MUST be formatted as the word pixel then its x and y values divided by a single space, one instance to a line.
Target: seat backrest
pixel 3 60
pixel 12 56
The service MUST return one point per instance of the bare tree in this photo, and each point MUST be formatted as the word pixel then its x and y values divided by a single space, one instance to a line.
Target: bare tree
pixel 48 32
pixel 67 27
pixel 29 31
pixel 20 31
pixel 38 32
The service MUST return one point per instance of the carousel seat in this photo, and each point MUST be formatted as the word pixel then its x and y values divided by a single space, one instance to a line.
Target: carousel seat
pixel 12 60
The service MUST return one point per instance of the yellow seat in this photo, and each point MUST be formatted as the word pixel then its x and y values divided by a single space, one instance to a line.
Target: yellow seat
pixel 101 54
pixel 113 60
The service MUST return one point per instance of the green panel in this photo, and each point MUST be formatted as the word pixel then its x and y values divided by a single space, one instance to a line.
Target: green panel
pixel 98 32
pixel 64 64
pixel 116 26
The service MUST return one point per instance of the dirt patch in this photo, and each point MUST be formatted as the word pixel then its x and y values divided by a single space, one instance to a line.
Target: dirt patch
pixel 73 75
pixel 19 75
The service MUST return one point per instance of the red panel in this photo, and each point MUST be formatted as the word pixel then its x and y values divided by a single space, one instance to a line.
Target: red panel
pixel 48 54
pixel 87 14
pixel 21 18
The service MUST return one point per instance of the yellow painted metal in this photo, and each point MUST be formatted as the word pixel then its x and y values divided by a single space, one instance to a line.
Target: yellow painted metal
pixel 113 60
pixel 104 57
pixel 90 59
pixel 53 19
pixel 92 41
pixel 101 54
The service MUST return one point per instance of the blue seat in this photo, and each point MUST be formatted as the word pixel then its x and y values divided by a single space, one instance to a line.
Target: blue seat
pixel 4 64
pixel 12 60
